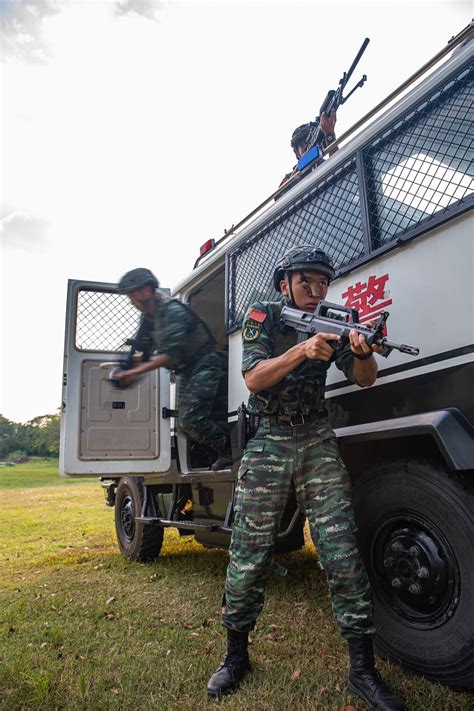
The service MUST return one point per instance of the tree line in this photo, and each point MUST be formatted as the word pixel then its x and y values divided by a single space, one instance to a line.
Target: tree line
pixel 38 437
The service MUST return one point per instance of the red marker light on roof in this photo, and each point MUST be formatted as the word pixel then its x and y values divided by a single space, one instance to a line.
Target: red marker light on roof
pixel 207 246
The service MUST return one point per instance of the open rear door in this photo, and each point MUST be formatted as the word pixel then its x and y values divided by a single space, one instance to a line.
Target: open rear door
pixel 106 430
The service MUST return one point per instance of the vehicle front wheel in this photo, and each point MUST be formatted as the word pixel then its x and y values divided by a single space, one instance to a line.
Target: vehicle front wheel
pixel 416 528
pixel 136 540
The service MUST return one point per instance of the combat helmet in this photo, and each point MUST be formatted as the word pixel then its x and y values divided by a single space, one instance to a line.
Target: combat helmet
pixel 304 256
pixel 300 134
pixel 136 279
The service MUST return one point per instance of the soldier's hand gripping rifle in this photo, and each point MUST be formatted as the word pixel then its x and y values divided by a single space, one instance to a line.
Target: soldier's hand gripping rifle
pixel 142 342
pixel 342 321
pixel 333 100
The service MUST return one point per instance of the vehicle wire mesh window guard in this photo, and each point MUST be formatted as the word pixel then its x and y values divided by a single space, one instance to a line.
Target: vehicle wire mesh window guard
pixel 416 169
pixel 423 163
pixel 328 216
pixel 104 321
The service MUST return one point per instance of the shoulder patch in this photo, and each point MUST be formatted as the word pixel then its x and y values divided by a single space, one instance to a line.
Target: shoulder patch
pixel 251 330
pixel 256 315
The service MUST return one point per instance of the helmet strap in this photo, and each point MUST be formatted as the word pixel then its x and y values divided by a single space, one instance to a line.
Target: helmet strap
pixel 290 289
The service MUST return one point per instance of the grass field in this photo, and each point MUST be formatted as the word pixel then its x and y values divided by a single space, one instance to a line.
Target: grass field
pixel 81 628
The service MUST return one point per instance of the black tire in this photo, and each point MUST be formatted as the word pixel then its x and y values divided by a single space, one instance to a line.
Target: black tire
pixel 416 533
pixel 137 541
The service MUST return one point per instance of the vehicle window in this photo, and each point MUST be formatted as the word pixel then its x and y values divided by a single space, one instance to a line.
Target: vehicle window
pixel 104 321
pixel 422 164
pixel 328 215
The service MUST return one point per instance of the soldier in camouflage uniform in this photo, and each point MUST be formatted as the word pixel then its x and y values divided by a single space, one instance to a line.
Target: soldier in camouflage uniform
pixel 300 136
pixel 183 343
pixel 294 445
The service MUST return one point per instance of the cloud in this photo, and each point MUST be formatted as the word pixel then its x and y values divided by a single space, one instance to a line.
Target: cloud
pixel 20 229
pixel 150 9
pixel 21 29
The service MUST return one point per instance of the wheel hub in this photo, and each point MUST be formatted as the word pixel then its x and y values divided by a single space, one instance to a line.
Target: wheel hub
pixel 127 517
pixel 416 571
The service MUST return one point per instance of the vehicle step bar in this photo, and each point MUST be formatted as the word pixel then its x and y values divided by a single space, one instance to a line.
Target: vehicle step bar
pixel 180 524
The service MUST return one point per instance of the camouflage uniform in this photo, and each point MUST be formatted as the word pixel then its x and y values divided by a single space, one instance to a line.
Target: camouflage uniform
pixel 200 371
pixel 279 455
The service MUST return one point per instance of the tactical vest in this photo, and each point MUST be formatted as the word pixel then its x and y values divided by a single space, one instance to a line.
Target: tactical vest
pixel 197 341
pixel 302 390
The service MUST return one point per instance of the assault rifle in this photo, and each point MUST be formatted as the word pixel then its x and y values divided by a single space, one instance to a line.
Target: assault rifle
pixel 341 320
pixel 333 100
pixel 142 342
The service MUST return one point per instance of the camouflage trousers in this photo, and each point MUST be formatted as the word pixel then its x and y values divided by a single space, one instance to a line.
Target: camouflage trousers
pixel 201 401
pixel 308 457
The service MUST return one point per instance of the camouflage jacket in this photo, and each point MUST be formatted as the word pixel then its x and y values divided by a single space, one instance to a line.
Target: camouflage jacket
pixel 302 390
pixel 178 332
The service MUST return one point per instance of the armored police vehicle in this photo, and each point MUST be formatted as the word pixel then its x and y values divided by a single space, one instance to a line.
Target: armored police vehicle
pixel 391 208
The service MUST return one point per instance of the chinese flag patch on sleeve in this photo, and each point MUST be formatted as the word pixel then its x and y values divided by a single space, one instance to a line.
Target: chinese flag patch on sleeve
pixel 258 316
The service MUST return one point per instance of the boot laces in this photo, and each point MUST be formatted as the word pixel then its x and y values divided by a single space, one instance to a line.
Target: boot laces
pixel 233 660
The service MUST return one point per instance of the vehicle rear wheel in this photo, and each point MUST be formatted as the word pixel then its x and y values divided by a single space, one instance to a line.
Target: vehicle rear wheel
pixel 416 527
pixel 136 540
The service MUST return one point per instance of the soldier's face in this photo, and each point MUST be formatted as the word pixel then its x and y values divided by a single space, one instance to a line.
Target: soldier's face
pixel 300 150
pixel 309 288
pixel 142 298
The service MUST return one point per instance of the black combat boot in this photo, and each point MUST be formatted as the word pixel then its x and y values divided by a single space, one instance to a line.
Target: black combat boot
pixel 223 461
pixel 233 667
pixel 364 679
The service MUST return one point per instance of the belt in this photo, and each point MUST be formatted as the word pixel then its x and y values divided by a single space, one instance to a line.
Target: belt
pixel 295 419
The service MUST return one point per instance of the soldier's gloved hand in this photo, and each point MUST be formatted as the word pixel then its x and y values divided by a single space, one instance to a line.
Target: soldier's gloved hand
pixel 318 348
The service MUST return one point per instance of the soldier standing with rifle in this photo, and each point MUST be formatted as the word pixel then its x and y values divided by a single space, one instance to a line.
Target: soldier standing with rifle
pixel 294 444
pixel 184 344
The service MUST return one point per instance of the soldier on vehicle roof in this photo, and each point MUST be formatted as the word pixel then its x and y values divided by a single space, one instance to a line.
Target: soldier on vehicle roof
pixel 183 343
pixel 301 133
pixel 295 445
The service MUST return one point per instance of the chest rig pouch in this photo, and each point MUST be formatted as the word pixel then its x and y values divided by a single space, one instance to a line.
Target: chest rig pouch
pixel 301 392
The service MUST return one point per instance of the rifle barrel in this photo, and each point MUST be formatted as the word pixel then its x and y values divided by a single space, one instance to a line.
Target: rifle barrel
pixel 409 350
pixel 357 59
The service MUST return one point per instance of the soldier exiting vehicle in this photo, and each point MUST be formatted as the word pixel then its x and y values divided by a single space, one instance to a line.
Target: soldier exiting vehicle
pixel 183 343
pixel 294 445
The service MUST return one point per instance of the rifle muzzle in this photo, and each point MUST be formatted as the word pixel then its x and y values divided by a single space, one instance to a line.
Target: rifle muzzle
pixel 409 350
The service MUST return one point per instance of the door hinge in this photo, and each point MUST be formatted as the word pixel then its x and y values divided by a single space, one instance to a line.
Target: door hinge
pixel 166 412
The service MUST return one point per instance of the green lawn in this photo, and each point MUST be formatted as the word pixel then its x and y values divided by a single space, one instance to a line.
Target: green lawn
pixel 36 472
pixel 81 628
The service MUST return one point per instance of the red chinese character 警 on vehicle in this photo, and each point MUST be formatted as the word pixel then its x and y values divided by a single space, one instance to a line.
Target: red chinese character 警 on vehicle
pixel 368 298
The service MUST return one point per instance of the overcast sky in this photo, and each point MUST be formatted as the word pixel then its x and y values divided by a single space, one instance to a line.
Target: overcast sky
pixel 135 130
